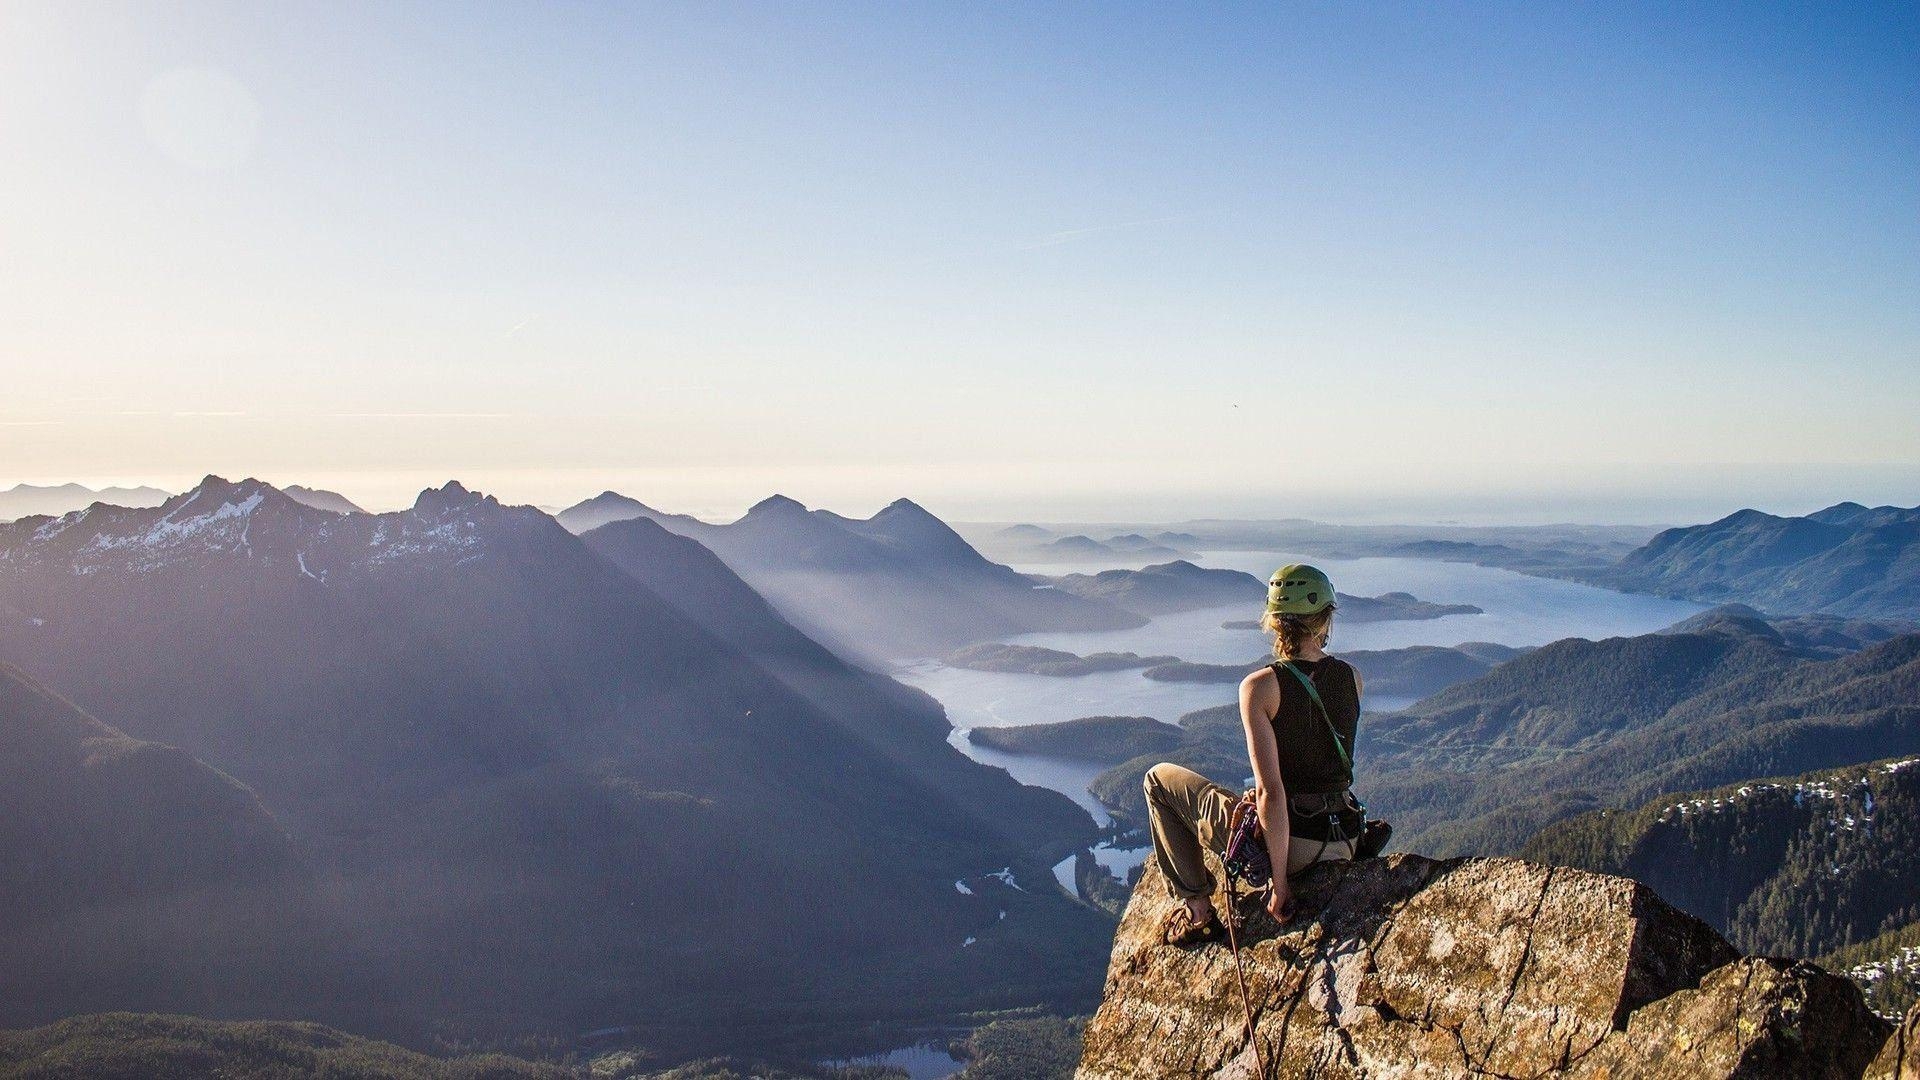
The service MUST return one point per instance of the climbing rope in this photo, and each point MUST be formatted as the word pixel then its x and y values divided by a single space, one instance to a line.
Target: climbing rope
pixel 1240 972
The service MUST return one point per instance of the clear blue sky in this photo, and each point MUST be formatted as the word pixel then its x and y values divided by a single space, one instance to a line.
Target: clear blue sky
pixel 1103 259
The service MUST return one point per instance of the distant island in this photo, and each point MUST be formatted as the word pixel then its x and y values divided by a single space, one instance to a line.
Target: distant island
pixel 1387 607
pixel 1034 660
pixel 1105 740
pixel 1412 672
pixel 1163 588
pixel 1077 547
pixel 1027 543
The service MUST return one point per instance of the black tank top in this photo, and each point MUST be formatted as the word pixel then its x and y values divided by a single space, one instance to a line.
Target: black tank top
pixel 1309 763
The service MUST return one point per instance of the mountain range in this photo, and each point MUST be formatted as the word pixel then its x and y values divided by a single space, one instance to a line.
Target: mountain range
pixel 27 500
pixel 1032 544
pixel 905 724
pixel 1582 725
pixel 523 792
pixel 1519 739
pixel 898 585
pixel 1845 560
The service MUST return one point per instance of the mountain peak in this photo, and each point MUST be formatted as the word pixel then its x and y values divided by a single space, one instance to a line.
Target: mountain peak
pixel 904 517
pixel 211 484
pixel 322 499
pixel 451 496
pixel 1846 514
pixel 214 492
pixel 1747 515
pixel 776 504
pixel 1736 619
pixel 216 518
pixel 605 508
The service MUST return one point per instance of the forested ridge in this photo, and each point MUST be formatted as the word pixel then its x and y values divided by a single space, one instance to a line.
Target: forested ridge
pixel 1847 559
pixel 1798 865
pixel 1582 725
pixel 1574 727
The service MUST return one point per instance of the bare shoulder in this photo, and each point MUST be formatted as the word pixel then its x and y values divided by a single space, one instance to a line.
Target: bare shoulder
pixel 1259 684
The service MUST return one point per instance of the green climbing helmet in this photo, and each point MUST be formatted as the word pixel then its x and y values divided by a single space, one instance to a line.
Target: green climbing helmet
pixel 1298 590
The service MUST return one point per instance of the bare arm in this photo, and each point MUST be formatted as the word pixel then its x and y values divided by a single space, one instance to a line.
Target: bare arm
pixel 1259 700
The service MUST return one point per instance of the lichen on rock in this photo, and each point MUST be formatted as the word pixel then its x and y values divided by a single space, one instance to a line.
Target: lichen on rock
pixel 1411 967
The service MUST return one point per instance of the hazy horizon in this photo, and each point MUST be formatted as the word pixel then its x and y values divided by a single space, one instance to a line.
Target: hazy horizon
pixel 725 498
pixel 1113 263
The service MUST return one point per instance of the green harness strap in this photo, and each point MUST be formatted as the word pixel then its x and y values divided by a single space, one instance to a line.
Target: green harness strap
pixel 1313 694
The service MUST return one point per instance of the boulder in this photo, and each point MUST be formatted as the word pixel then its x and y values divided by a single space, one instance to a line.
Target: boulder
pixel 1900 1058
pixel 1411 967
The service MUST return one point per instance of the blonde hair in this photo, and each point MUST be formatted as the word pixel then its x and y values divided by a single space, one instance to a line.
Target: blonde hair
pixel 1291 633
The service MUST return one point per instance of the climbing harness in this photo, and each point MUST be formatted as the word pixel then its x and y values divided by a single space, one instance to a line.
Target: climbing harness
pixel 1246 858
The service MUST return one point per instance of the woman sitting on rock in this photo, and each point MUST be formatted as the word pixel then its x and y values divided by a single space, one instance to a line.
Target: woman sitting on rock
pixel 1300 713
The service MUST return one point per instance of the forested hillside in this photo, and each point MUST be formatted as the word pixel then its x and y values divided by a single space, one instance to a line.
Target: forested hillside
pixel 1845 560
pixel 1578 725
pixel 1798 866
pixel 95 817
pixel 1887 968
pixel 1581 725
pixel 135 1046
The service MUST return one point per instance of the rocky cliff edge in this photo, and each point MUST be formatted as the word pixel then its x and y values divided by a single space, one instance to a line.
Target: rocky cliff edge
pixel 1411 967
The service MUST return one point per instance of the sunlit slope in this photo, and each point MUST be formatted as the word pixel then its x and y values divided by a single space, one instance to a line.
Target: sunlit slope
pixel 541 796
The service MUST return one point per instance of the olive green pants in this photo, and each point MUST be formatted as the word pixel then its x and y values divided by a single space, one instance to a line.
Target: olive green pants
pixel 1189 815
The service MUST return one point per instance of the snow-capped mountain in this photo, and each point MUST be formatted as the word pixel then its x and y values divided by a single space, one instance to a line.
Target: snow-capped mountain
pixel 251 527
pixel 526 776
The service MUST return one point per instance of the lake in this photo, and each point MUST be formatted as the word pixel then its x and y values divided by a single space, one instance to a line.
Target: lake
pixel 1519 610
